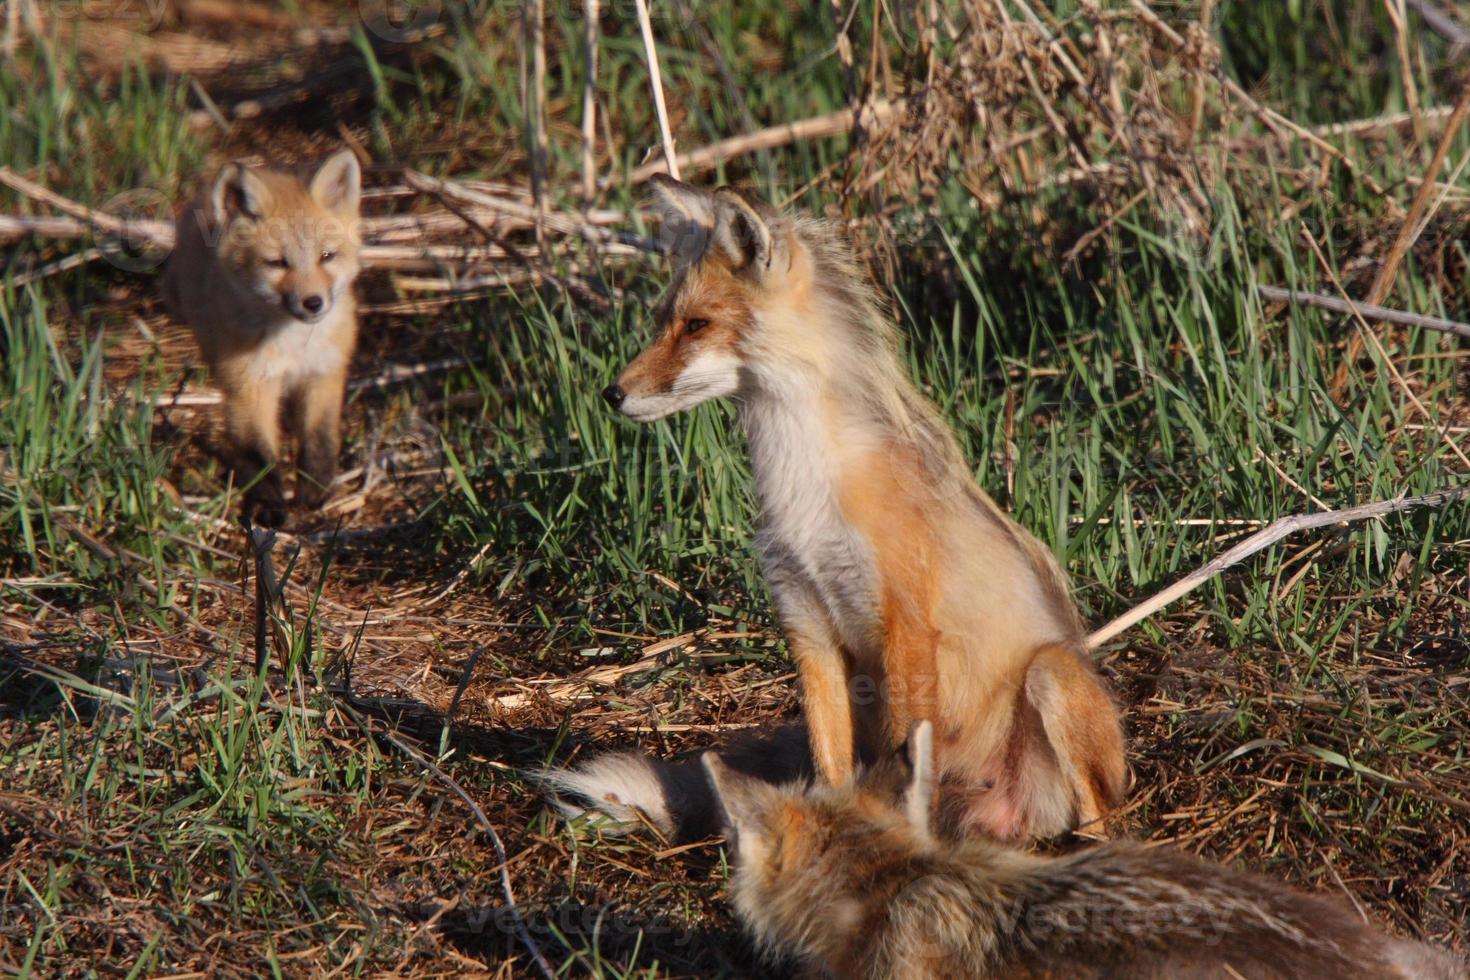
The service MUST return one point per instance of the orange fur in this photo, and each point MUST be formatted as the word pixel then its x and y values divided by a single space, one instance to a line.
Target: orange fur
pixel 905 593
pixel 710 292
pixel 851 882
pixel 262 273
pixel 880 502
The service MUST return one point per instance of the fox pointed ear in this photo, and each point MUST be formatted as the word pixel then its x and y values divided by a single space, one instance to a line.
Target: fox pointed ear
pixel 918 795
pixel 337 183
pixel 686 216
pixel 743 799
pixel 741 233
pixel 239 192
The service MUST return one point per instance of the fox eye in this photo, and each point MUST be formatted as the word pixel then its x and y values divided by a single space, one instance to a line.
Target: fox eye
pixel 279 263
pixel 328 256
pixel 695 325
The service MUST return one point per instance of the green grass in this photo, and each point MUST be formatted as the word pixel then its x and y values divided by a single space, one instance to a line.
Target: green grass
pixel 166 808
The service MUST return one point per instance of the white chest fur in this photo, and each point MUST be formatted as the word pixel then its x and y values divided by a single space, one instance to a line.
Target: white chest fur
pixel 293 350
pixel 805 542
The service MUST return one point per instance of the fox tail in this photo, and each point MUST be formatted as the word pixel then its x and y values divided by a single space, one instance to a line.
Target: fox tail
pixel 621 792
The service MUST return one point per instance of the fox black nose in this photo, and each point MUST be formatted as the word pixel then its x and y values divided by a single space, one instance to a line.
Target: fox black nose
pixel 614 395
pixel 312 304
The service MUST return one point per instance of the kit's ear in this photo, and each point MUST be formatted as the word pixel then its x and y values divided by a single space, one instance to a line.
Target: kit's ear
pixel 337 184
pixel 238 192
pixel 918 795
pixel 743 801
pixel 687 214
pixel 741 233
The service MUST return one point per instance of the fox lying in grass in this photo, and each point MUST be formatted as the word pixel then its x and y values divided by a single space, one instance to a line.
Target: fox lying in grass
pixel 852 882
pixel 904 592
pixel 262 273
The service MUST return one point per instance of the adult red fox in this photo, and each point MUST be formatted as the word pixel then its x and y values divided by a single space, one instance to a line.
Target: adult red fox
pixel 262 273
pixel 852 882
pixel 905 593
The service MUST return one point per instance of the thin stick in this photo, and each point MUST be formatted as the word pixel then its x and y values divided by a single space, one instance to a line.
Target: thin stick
pixel 843 47
pixel 1262 540
pixel 159 233
pixel 1366 310
pixel 1197 108
pixel 589 103
pixel 656 82
pixel 1367 332
pixel 1399 17
pixel 1357 127
pixel 149 230
pixel 389 376
pixel 267 591
pixel 1384 283
pixel 534 12
pixel 556 222
pixel 64 264
pixel 82 221
pixel 502 859
pixel 65 205
pixel 1408 231
pixel 816 127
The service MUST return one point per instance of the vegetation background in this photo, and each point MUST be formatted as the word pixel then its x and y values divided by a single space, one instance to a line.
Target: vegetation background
pixel 1073 202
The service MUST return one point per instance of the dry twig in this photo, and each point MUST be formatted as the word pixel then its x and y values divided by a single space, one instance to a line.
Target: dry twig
pixel 1260 541
pixel 589 102
pixel 565 224
pixel 533 12
pixel 267 590
pixel 1366 310
pixel 831 124
pixel 656 82
pixel 1408 231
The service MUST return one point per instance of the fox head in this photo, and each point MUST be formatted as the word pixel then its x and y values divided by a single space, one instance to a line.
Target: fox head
pixel 288 241
pixel 895 792
pixel 735 263
pixel 805 850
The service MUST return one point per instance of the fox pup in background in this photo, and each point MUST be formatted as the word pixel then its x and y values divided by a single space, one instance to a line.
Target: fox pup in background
pixel 905 593
pixel 262 273
pixel 850 881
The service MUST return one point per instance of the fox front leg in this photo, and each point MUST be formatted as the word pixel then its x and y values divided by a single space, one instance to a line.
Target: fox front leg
pixel 317 422
pixel 252 423
pixel 829 709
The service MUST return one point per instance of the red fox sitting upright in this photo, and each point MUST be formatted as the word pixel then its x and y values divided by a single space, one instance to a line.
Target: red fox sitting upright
pixel 905 593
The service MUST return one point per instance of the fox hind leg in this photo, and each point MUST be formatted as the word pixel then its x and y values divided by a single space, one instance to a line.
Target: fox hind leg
pixel 1080 721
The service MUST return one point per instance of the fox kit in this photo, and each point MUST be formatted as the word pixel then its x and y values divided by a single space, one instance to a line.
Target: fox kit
pixel 905 593
pixel 851 882
pixel 262 273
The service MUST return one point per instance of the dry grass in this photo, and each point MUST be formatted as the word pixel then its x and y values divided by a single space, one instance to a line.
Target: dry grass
pixel 1337 765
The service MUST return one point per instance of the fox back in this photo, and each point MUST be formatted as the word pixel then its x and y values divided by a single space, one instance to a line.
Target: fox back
pixel 851 881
